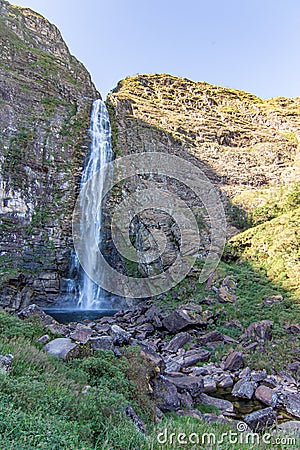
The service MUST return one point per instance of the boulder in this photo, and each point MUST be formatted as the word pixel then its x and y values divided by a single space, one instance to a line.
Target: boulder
pixel 225 381
pixel 6 364
pixel 291 427
pixel 34 310
pixel 261 331
pixel 101 343
pixel 209 384
pixel 292 404
pixel 244 389
pixel 258 376
pixel 58 328
pixel 193 385
pixel 131 414
pixel 234 361
pixel 178 342
pixel 152 356
pixel 261 419
pixel 266 395
pixel 44 339
pixel 64 348
pixel 120 336
pixel 165 394
pixel 222 405
pixel 191 357
pixel 179 320
pixel 81 334
pixel 213 336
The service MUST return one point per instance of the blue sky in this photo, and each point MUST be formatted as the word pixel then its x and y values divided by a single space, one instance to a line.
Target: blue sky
pixel 253 45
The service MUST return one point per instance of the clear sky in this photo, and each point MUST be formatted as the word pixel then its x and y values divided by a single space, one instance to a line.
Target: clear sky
pixel 253 45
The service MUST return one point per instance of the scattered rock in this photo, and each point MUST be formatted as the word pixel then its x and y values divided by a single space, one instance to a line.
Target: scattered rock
pixel 186 400
pixel 165 394
pixel 152 356
pixel 259 376
pixel 292 404
pixel 178 342
pixel 270 301
pixel 266 395
pixel 34 310
pixel 58 328
pixel 234 361
pixel 225 382
pixel 222 405
pixel 64 348
pixel 120 336
pixel 292 426
pixel 261 419
pixel 260 330
pixel 191 357
pixel 131 414
pixel 102 343
pixel 213 336
pixel 178 320
pixel 209 384
pixel 44 339
pixel 6 364
pixel 292 329
pixel 81 334
pixel 244 389
pixel 193 385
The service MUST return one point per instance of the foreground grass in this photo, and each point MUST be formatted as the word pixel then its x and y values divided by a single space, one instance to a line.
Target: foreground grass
pixel 44 402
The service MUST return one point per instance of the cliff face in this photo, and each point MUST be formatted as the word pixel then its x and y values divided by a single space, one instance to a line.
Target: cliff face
pixel 247 142
pixel 248 147
pixel 45 103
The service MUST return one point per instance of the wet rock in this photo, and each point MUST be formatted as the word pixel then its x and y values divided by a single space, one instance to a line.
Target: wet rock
pixel 261 419
pixel 120 336
pixel 178 320
pixel 244 389
pixel 165 394
pixel 292 404
pixel 260 330
pixel 81 334
pixel 178 342
pixel 131 414
pixel 64 348
pixel 222 405
pixel 6 364
pixel 193 385
pixel 234 361
pixel 266 395
pixel 209 384
pixel 44 339
pixel 101 343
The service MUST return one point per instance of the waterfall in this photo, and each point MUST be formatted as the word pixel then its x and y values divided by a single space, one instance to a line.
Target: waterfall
pixel 90 295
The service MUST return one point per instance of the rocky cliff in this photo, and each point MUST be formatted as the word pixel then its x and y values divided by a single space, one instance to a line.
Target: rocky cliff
pixel 45 102
pixel 248 147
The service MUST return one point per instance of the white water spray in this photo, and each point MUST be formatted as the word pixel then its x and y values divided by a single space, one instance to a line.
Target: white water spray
pixel 91 296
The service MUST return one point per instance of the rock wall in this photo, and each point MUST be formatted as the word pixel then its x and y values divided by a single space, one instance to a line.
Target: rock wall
pixel 240 142
pixel 45 102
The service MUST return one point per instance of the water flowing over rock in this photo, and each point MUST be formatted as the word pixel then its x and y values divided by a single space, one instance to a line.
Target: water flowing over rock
pixel 91 295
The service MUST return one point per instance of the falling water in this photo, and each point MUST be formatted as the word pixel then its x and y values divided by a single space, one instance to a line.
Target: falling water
pixel 90 295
